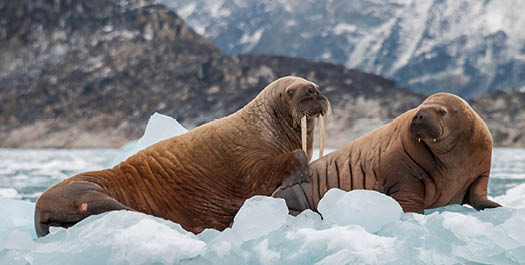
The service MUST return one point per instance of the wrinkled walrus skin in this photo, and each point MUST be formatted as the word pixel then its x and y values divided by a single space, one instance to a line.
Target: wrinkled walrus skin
pixel 434 155
pixel 201 178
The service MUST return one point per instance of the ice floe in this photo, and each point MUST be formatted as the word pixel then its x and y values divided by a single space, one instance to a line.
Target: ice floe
pixel 357 227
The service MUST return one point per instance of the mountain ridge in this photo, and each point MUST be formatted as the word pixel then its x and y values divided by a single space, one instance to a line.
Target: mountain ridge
pixel 79 74
pixel 466 47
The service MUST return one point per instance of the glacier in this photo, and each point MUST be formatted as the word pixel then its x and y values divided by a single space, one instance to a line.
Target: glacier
pixel 353 227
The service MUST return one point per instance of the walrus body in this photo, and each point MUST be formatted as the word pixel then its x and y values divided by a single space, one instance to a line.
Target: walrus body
pixel 201 178
pixel 434 155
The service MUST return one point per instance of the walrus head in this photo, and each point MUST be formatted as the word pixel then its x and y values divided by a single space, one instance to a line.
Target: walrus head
pixel 294 104
pixel 440 121
pixel 305 103
pixel 305 100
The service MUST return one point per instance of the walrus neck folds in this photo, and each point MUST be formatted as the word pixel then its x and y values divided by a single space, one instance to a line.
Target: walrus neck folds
pixel 280 122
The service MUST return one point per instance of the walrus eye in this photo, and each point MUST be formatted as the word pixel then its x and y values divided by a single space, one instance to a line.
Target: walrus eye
pixel 290 92
pixel 442 112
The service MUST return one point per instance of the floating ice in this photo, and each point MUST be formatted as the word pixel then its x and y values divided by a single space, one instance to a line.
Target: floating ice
pixel 159 127
pixel 359 207
pixel 358 227
pixel 263 233
pixel 259 216
pixel 16 215
pixel 119 237
pixel 513 198
pixel 17 240
pixel 9 193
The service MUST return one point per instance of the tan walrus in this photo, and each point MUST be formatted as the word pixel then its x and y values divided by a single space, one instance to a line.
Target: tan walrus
pixel 200 179
pixel 434 155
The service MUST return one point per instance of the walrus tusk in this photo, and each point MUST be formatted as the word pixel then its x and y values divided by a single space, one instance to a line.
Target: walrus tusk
pixel 321 136
pixel 303 133
pixel 419 140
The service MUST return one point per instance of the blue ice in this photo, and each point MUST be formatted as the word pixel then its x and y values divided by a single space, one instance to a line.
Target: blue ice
pixel 356 227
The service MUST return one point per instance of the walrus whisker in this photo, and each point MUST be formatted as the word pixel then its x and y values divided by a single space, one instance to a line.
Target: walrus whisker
pixel 321 136
pixel 303 133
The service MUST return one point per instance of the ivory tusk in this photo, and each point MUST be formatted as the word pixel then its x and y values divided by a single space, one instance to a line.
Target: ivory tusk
pixel 303 133
pixel 321 136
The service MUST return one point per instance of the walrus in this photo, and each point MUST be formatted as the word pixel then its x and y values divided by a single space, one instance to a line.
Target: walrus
pixel 201 178
pixel 436 154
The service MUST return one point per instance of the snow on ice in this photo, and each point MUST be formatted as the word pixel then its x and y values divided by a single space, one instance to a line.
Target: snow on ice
pixel 357 227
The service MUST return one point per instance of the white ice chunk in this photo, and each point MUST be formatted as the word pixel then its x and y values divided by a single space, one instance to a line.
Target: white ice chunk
pixel 263 233
pixel 157 239
pixel 16 215
pixel 118 237
pixel 17 240
pixel 9 193
pixel 328 203
pixel 160 127
pixel 305 219
pixel 266 255
pixel 360 246
pixel 513 197
pixel 259 216
pixel 369 209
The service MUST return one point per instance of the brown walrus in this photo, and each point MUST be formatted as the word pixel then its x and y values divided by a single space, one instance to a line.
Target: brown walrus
pixel 201 178
pixel 431 156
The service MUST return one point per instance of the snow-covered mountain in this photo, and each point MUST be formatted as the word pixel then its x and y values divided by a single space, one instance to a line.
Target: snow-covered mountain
pixel 463 46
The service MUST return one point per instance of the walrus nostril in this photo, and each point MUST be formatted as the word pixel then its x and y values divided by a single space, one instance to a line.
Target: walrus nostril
pixel 310 91
pixel 419 116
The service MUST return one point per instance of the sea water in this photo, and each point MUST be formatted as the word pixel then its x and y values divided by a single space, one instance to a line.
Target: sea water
pixel 357 227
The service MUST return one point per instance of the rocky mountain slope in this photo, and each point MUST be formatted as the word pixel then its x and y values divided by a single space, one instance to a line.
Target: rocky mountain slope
pixel 467 47
pixel 504 113
pixel 89 74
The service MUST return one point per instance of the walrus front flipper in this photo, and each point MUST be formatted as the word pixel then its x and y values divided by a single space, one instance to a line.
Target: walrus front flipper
pixel 301 174
pixel 409 195
pixel 296 197
pixel 68 202
pixel 477 195
pixel 296 188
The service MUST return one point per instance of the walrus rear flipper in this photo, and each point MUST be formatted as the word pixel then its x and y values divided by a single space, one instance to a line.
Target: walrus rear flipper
pixel 67 203
pixel 477 195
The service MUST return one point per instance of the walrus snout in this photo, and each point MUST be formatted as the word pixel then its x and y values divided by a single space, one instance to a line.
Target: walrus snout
pixel 426 125
pixel 313 106
pixel 309 104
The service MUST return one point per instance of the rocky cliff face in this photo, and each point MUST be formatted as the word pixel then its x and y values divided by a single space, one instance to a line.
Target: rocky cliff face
pixel 89 74
pixel 504 113
pixel 84 67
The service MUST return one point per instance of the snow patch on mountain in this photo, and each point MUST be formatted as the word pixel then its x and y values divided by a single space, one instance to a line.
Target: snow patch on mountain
pixel 463 46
